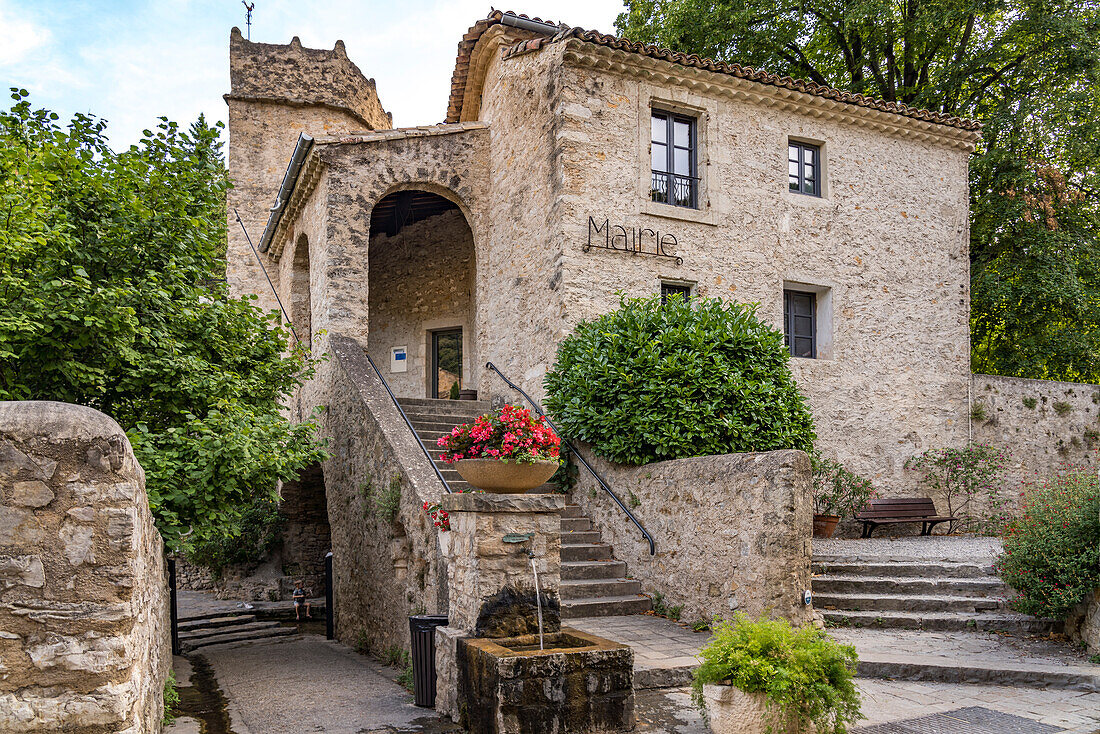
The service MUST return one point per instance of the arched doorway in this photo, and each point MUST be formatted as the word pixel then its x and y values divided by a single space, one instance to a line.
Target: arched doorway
pixel 421 294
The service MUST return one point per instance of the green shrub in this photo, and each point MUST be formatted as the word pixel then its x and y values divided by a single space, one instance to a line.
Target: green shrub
pixel 969 481
pixel 1061 407
pixel 171 699
pixel 805 676
pixel 1051 553
pixel 978 412
pixel 257 532
pixel 662 608
pixel 1029 402
pixel 838 491
pixel 651 381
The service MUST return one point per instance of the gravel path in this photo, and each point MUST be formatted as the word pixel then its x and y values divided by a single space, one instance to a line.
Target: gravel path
pixel 915 548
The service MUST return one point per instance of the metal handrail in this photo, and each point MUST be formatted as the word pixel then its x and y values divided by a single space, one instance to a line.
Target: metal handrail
pixel 408 422
pixel 603 483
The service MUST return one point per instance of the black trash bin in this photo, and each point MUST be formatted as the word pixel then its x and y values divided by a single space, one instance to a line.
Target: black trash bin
pixel 422 627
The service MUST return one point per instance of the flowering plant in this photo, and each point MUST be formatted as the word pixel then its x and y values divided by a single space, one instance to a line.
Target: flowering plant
pixel 513 435
pixel 440 517
pixel 967 478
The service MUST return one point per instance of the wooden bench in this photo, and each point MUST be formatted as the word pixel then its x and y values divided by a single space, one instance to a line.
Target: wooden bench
pixel 895 511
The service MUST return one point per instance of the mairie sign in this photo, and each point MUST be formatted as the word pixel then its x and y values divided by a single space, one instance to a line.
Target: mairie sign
pixel 634 240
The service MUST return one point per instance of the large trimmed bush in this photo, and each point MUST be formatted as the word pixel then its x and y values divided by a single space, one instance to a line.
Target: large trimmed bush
pixel 652 381
pixel 1052 551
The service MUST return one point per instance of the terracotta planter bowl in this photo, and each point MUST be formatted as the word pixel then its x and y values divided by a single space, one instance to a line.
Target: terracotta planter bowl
pixel 499 477
pixel 825 525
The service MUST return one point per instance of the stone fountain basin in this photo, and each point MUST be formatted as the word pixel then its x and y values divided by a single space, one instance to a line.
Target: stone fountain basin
pixel 579 683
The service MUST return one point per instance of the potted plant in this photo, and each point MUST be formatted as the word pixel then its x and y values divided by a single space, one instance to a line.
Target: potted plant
pixel 506 452
pixel 764 677
pixel 837 493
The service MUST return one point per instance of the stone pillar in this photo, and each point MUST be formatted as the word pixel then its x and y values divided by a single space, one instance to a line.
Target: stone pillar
pixel 490 582
pixel 84 628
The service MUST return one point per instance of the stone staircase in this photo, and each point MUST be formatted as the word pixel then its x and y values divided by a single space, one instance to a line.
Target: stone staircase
pixel 593 582
pixel 917 595
pixel 220 628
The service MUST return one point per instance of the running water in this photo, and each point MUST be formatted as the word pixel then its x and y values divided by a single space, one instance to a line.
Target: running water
pixel 538 599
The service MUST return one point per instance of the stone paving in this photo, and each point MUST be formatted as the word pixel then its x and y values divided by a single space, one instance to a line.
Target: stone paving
pixel 665 651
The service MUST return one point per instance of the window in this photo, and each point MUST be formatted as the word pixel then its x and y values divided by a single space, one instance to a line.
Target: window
pixel 800 323
pixel 673 146
pixel 804 168
pixel 669 289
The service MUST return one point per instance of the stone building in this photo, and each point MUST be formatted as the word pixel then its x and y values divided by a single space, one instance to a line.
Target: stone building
pixel 573 166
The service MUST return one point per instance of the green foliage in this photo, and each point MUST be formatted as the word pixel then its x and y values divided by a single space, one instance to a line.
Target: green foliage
pixel 662 608
pixel 969 480
pixel 805 677
pixel 978 412
pixel 651 381
pixel 259 526
pixel 634 502
pixel 1061 407
pixel 565 478
pixel 700 625
pixel 838 491
pixel 397 657
pixel 1030 402
pixel 171 699
pixel 453 394
pixel 405 679
pixel 112 296
pixel 1027 71
pixel 388 502
pixel 362 642
pixel 1051 553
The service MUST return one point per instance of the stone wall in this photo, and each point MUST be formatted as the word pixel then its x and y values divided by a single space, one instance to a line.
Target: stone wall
pixel 732 531
pixel 1043 424
pixel 384 568
pixel 1083 623
pixel 84 627
pixel 421 279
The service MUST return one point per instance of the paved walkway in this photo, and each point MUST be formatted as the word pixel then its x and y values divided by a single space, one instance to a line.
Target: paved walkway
pixel 664 648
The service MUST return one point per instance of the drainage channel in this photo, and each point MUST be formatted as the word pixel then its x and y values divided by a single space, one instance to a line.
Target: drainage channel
pixel 203 700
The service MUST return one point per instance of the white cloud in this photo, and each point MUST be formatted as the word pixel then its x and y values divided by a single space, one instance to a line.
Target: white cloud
pixel 19 36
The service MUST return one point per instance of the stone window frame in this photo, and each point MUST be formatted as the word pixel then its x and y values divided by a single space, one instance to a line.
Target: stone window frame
pixel 678 284
pixel 823 193
pixel 705 112
pixel 824 323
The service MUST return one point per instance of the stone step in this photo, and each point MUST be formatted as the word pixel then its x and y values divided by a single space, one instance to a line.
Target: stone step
pixel 199 633
pixel 580 537
pixel 586 552
pixel 429 438
pixel 428 405
pixel 184 618
pixel 234 637
pixel 455 418
pixel 573 511
pixel 909 569
pixel 434 426
pixel 577 570
pixel 907 602
pixel 598 588
pixel 221 620
pixel 574 524
pixel 853 584
pixel 605 606
pixel 942 621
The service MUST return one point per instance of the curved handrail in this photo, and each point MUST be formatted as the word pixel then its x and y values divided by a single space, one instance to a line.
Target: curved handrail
pixel 593 472
pixel 408 422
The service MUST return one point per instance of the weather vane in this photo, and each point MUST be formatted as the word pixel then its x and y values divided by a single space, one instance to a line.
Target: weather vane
pixel 248 17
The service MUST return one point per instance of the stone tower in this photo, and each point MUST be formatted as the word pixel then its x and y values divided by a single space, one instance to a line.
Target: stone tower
pixel 276 93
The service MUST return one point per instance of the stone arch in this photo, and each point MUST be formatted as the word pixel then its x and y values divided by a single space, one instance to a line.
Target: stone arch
pixel 301 297
pixel 421 286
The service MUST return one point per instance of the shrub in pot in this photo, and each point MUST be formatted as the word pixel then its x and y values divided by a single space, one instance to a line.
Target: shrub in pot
pixel 509 451
pixel 764 677
pixel 838 493
pixel 653 381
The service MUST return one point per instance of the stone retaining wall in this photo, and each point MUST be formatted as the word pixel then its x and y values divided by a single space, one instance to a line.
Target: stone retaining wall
pixel 1083 623
pixel 732 531
pixel 385 568
pixel 84 641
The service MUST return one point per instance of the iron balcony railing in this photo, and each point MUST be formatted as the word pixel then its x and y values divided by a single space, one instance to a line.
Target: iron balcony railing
pixel 584 462
pixel 672 188
pixel 408 422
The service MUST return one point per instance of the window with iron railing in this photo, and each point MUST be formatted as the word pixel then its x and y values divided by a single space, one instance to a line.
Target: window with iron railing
pixel 673 151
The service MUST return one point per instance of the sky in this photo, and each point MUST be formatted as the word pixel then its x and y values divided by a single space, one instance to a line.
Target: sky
pixel 132 61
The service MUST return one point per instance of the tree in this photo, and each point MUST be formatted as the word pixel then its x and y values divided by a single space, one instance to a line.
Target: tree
pixel 1029 70
pixel 111 296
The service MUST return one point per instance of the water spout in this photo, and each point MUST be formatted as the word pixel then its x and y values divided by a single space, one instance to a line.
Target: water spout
pixel 538 599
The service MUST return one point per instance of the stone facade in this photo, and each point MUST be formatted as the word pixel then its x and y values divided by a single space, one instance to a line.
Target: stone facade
pixel 1044 425
pixel 84 628
pixel 732 532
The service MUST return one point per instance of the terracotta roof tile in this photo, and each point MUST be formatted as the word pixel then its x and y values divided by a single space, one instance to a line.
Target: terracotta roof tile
pixel 462 66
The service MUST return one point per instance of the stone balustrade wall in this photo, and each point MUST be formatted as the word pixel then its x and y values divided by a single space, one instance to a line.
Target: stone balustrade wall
pixel 84 623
